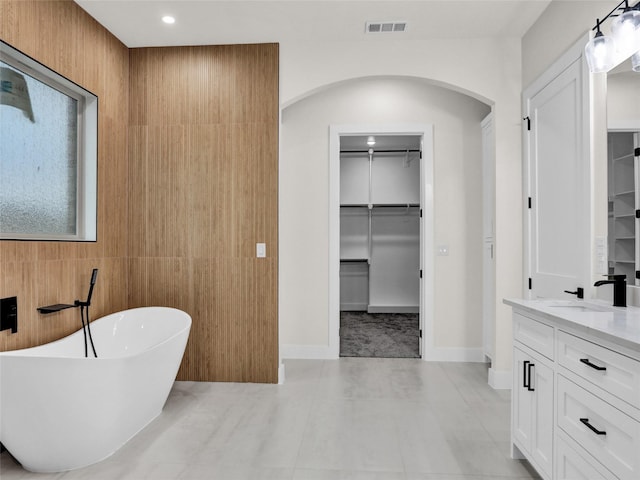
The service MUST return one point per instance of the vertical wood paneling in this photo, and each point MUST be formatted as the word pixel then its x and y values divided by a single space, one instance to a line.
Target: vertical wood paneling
pixel 187 186
pixel 66 39
pixel 203 191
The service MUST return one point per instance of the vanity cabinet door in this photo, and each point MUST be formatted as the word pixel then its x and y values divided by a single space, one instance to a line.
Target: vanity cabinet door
pixel 522 401
pixel 533 409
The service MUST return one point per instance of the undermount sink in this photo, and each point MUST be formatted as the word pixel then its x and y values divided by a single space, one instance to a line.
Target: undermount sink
pixel 578 308
pixel 574 306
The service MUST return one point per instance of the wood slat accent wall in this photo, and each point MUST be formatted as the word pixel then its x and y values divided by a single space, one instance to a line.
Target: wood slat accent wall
pixel 64 37
pixel 203 172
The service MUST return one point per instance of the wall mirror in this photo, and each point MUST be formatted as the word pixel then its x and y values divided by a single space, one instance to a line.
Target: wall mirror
pixel 623 171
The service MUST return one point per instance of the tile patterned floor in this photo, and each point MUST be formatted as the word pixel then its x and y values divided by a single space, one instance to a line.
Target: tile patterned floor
pixel 347 419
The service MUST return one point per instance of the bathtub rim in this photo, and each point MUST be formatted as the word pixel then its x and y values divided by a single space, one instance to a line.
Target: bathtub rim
pixel 21 352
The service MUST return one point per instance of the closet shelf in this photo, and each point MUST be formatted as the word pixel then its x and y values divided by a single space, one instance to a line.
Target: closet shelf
pixel 626 192
pixel 354 260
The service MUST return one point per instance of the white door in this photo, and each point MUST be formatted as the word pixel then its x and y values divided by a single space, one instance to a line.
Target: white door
pixel 488 220
pixel 421 310
pixel 558 186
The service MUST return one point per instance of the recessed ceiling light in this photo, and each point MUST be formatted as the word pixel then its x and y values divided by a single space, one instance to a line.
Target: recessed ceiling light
pixel 168 19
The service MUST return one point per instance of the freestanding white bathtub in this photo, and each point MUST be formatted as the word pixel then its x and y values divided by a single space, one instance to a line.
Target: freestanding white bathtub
pixel 60 411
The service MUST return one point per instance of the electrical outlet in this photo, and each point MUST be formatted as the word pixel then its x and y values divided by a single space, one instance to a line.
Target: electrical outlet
pixel 261 250
pixel 443 250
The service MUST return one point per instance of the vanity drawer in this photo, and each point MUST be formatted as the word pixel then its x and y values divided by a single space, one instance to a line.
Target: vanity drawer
pixel 601 429
pixel 574 464
pixel 533 334
pixel 609 370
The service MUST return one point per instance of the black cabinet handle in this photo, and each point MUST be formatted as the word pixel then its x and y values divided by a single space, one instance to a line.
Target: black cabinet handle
pixel 592 365
pixel 529 367
pixel 592 428
pixel 524 374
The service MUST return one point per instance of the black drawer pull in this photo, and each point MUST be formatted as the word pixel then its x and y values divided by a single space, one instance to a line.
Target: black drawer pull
pixel 592 365
pixel 524 374
pixel 592 428
pixel 529 367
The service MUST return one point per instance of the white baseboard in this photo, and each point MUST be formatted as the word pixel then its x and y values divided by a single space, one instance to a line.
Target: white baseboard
pixel 308 352
pixel 353 307
pixel 323 352
pixel 500 379
pixel 454 354
pixel 393 309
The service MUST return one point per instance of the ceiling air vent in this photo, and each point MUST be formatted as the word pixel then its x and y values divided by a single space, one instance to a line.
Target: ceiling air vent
pixel 386 27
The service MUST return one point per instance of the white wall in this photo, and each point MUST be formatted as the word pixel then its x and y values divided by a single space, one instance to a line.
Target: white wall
pixel 488 69
pixel 558 28
pixel 623 100
pixel 304 187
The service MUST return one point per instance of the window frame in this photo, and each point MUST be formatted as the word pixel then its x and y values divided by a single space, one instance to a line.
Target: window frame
pixel 87 147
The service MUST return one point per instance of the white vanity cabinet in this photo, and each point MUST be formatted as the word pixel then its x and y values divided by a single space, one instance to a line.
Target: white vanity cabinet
pixel 576 390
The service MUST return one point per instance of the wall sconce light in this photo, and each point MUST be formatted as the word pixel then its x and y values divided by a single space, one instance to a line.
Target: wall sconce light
pixel 604 52
pixel 371 140
pixel 600 52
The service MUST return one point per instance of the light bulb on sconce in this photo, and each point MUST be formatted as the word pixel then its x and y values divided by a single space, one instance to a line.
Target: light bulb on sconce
pixel 604 52
pixel 624 30
pixel 600 52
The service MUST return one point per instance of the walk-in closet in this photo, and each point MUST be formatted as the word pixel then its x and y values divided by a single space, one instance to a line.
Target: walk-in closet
pixel 623 203
pixel 380 245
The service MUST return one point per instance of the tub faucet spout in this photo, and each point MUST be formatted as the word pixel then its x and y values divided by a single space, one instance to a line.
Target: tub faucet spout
pixel 619 288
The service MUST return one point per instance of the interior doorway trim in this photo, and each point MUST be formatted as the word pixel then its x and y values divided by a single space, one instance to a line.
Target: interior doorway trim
pixel 426 235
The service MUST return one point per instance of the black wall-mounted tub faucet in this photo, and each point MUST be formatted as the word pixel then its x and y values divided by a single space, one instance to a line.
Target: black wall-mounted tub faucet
pixel 9 314
pixel 619 288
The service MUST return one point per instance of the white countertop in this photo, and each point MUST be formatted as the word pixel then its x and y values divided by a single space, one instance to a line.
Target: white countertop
pixel 620 325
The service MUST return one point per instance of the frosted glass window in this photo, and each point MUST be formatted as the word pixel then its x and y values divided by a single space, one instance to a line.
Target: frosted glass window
pixel 47 153
pixel 38 172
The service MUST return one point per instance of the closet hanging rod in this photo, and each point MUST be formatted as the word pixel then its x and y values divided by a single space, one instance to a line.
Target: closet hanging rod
pixel 396 205
pixel 380 205
pixel 380 151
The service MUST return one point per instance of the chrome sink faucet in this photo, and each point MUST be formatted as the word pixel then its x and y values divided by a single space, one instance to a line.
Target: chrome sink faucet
pixel 619 288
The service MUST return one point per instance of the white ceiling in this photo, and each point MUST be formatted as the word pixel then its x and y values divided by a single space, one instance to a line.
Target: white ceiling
pixel 212 22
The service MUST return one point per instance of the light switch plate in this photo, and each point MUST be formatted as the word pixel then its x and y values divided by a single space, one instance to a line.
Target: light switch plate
pixel 600 249
pixel 261 250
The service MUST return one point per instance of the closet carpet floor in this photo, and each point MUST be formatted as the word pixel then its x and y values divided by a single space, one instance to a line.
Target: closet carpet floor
pixel 381 335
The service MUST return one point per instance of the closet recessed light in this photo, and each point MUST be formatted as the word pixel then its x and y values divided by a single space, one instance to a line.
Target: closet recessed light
pixel 168 19
pixel 371 141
